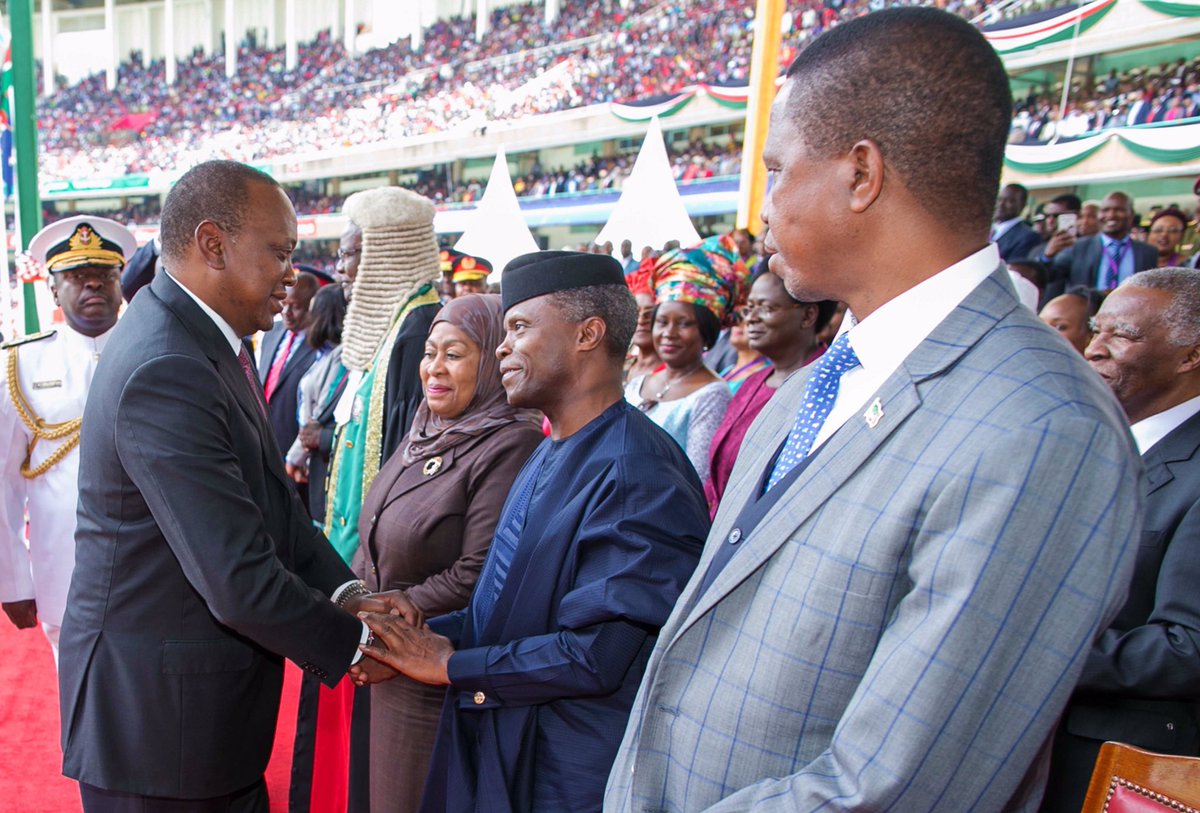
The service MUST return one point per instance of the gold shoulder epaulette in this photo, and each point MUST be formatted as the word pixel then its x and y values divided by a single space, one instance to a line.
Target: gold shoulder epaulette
pixel 32 337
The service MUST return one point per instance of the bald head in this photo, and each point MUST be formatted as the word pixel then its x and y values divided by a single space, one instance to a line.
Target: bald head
pixel 1068 315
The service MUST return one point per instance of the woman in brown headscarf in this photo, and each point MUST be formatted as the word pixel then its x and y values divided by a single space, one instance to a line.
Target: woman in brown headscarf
pixel 428 518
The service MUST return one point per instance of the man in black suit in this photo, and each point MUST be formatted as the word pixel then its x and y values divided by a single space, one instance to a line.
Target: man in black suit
pixel 197 570
pixel 1106 259
pixel 1139 684
pixel 286 357
pixel 1014 238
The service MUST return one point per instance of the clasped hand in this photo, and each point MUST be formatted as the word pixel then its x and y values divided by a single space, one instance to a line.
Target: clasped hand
pixel 403 644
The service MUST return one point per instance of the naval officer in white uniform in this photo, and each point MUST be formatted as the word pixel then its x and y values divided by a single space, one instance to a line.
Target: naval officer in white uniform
pixel 47 376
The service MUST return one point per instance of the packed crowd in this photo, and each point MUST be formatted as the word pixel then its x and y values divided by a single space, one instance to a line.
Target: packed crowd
pixel 696 161
pixel 333 100
pixel 1170 92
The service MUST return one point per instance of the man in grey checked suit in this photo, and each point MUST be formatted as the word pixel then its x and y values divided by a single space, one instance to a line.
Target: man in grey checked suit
pixel 898 622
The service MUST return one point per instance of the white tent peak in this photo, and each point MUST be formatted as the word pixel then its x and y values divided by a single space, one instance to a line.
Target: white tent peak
pixel 650 211
pixel 497 230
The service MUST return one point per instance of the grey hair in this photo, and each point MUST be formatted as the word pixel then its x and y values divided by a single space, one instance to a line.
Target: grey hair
pixel 612 303
pixel 214 190
pixel 1182 316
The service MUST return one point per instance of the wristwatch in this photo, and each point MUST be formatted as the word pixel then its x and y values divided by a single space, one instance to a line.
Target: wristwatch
pixel 356 589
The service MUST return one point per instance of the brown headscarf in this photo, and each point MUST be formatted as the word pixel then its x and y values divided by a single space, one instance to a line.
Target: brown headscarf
pixel 479 316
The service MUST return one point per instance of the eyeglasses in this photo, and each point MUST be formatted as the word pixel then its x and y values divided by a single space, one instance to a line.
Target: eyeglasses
pixel 1166 230
pixel 80 276
pixel 343 254
pixel 764 310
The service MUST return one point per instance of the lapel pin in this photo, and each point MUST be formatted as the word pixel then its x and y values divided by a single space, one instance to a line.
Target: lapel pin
pixel 432 466
pixel 873 414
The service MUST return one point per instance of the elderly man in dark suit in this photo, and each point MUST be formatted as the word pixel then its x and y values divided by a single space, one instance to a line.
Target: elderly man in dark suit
pixel 197 570
pixel 1106 259
pixel 1139 681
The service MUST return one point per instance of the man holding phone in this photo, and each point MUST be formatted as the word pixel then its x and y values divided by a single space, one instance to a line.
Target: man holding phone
pixel 1060 217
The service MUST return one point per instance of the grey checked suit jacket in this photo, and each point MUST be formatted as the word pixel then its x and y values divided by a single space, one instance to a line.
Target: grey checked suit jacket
pixel 903 627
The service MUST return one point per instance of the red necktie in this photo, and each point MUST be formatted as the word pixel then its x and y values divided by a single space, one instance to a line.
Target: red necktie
pixel 248 369
pixel 277 367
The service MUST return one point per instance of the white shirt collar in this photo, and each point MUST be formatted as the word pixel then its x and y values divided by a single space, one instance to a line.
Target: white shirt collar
pixel 1149 431
pixel 884 339
pixel 235 341
pixel 1001 227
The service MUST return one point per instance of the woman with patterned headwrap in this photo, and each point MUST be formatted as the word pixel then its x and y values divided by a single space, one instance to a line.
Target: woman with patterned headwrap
pixel 695 288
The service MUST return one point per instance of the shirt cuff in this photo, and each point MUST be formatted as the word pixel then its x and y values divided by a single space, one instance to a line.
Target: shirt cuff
pixel 358 655
pixel 338 592
pixel 467 669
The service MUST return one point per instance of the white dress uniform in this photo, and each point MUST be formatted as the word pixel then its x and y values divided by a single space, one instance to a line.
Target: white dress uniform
pixel 53 373
pixel 46 378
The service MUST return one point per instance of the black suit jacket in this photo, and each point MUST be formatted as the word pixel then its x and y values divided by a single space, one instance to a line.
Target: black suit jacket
pixel 1016 243
pixel 282 408
pixel 197 570
pixel 1141 682
pixel 1080 264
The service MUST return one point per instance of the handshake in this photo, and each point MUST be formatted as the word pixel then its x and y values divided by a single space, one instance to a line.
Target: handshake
pixel 401 642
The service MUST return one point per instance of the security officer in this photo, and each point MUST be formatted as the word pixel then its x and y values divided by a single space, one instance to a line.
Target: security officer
pixel 470 275
pixel 47 376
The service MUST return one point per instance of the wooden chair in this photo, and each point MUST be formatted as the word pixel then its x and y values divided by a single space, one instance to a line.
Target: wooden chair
pixel 1130 780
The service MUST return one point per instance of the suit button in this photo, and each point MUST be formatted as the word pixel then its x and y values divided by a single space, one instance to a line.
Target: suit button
pixel 479 698
pixel 349 444
pixel 735 536
pixel 373 518
pixel 1170 726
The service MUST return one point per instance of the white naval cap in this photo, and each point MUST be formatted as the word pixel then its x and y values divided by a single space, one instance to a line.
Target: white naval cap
pixel 82 240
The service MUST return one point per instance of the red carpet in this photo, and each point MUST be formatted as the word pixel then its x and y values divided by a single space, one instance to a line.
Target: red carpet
pixel 31 779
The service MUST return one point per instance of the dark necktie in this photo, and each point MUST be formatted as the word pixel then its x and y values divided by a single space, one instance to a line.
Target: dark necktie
pixel 248 369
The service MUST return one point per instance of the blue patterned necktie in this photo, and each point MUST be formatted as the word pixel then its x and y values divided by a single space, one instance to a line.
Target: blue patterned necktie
pixel 1114 254
pixel 820 393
